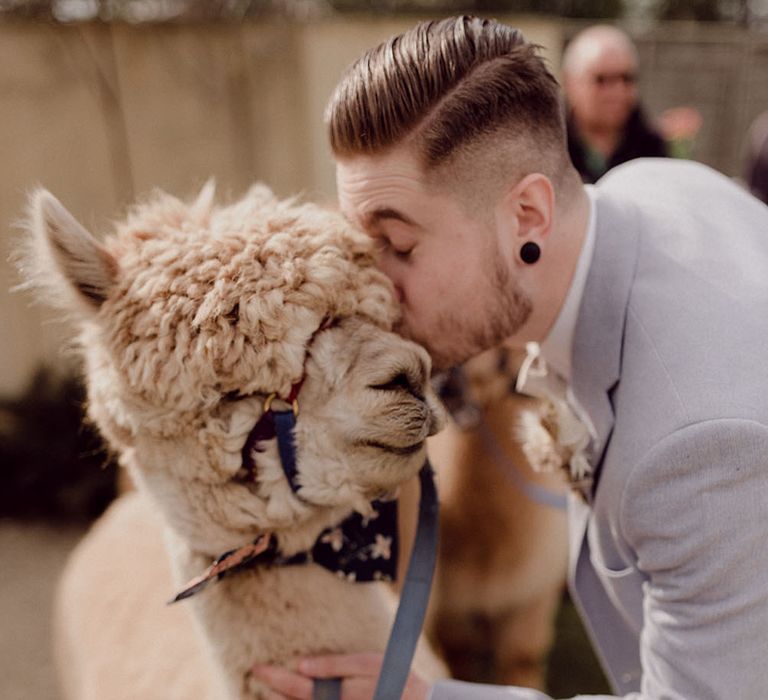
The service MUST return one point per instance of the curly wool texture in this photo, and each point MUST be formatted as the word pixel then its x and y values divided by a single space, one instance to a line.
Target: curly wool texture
pixel 210 300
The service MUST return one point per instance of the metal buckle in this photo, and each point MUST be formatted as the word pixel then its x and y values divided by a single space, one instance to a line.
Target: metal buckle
pixel 268 403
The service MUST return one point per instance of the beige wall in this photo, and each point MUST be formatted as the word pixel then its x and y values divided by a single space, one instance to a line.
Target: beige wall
pixel 101 114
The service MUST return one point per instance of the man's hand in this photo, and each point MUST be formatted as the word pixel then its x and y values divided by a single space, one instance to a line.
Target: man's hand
pixel 358 671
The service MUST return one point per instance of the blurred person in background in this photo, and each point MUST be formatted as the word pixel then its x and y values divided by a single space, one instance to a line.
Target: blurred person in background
pixel 756 171
pixel 606 125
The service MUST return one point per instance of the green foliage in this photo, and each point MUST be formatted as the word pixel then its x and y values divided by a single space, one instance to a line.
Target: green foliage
pixel 52 465
pixel 573 667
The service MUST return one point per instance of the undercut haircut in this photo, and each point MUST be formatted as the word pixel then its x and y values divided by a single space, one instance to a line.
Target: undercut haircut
pixel 446 86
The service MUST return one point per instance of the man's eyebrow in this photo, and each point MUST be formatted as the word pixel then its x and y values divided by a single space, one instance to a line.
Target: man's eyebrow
pixel 377 215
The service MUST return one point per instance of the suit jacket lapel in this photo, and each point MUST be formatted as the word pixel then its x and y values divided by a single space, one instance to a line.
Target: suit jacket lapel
pixel 599 331
pixel 596 364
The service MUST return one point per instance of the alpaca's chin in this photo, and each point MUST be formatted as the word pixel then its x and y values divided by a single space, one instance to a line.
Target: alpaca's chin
pixel 393 474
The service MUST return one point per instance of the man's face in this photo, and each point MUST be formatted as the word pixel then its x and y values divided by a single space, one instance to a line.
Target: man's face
pixel 453 275
pixel 602 92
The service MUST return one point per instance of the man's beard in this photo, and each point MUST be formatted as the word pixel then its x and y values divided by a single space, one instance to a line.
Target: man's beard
pixel 453 339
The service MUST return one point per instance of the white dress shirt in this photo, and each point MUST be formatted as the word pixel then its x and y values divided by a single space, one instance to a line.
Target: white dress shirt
pixel 556 349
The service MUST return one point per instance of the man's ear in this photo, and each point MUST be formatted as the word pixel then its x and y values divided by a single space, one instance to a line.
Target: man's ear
pixel 527 209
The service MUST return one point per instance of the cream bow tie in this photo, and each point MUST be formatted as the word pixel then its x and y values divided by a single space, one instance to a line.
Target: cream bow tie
pixel 557 424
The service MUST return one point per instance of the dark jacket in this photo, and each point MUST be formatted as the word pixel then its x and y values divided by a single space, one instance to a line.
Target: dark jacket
pixel 640 141
pixel 757 158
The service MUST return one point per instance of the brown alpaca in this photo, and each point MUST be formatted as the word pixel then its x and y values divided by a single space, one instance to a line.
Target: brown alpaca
pixel 502 560
pixel 188 318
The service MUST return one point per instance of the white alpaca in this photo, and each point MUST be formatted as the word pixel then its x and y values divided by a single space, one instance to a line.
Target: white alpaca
pixel 189 316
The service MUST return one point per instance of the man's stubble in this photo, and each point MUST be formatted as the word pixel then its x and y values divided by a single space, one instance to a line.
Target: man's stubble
pixel 453 338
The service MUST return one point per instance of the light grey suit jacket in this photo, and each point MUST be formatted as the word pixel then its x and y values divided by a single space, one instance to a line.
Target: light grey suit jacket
pixel 669 562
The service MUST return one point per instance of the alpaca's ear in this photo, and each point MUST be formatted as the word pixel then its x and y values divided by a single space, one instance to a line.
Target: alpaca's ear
pixel 63 260
pixel 201 208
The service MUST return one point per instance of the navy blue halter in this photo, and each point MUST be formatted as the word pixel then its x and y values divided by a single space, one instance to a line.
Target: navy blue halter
pixel 279 424
pixel 285 422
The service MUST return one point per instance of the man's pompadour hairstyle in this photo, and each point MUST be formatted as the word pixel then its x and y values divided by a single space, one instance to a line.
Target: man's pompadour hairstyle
pixel 446 83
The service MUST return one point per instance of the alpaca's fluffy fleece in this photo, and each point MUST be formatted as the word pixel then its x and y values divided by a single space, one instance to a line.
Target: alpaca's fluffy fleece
pixel 183 325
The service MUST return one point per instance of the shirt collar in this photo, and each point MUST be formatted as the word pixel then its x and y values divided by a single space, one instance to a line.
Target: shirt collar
pixel 558 345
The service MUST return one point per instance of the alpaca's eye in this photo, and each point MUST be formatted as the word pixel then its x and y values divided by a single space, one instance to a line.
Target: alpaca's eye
pixel 400 382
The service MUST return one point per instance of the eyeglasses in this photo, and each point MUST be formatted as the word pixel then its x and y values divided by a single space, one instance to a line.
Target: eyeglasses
pixel 605 79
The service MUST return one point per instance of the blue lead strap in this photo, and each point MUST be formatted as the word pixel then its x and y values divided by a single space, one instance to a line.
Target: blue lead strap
pixel 326 689
pixel 413 604
pixel 535 492
pixel 415 595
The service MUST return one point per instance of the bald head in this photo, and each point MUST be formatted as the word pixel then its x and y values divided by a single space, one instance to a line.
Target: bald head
pixel 600 79
pixel 594 45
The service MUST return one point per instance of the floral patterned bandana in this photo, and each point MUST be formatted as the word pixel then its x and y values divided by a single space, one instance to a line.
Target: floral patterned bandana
pixel 359 549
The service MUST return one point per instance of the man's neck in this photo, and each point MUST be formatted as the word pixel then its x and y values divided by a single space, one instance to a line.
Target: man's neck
pixel 557 266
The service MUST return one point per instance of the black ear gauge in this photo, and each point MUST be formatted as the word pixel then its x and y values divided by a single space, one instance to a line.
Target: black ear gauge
pixel 530 252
